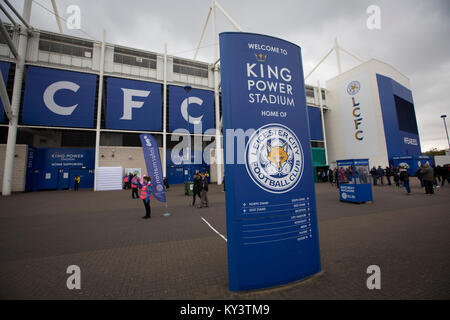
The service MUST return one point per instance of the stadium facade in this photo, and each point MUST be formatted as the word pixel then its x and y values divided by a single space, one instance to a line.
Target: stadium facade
pixel 65 112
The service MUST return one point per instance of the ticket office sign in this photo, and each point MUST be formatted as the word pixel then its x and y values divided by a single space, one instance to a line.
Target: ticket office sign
pixel 270 199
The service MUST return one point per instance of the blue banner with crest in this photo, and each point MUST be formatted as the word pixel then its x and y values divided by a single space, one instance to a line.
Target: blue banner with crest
pixel 270 199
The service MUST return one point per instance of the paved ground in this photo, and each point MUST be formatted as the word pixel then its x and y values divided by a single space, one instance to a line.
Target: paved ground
pixel 122 256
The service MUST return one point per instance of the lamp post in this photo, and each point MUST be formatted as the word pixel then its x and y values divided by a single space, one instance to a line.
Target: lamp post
pixel 446 131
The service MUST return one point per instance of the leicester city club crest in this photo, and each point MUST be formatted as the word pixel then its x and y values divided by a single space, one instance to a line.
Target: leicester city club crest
pixel 353 88
pixel 274 158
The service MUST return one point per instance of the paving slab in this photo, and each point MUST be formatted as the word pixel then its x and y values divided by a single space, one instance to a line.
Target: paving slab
pixel 122 256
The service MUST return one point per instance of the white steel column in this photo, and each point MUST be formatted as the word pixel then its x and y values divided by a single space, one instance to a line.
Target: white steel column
pixel 217 99
pixel 99 109
pixel 164 166
pixel 338 56
pixel 203 33
pixel 58 19
pixel 15 103
pixel 323 122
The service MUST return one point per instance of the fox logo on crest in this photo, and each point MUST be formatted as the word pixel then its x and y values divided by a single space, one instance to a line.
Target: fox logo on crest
pixel 277 160
pixel 277 155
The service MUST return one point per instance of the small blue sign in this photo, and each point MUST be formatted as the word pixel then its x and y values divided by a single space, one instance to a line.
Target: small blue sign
pixel 354 180
pixel 191 108
pixel 4 68
pixel 59 98
pixel 52 168
pixel 412 163
pixel 270 200
pixel 133 105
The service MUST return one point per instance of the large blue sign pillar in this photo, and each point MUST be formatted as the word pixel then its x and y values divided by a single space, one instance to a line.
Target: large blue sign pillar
pixel 270 200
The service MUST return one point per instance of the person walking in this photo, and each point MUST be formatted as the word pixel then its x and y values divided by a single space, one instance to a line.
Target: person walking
pixel 373 173
pixel 396 173
pixel 388 175
pixel 419 175
pixel 438 173
pixel 134 187
pixel 324 176
pixel 166 183
pixel 435 179
pixel 404 177
pixel 336 177
pixel 196 187
pixel 428 178
pixel 125 182
pixel 204 194
pixel 444 175
pixel 330 176
pixel 130 177
pixel 77 182
pixel 380 173
pixel 341 175
pixel 146 195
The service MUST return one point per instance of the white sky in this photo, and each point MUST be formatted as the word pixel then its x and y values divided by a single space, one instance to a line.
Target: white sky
pixel 414 37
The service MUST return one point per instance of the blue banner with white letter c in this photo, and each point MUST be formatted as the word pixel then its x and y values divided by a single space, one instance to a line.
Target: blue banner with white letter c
pixel 153 163
pixel 191 109
pixel 59 98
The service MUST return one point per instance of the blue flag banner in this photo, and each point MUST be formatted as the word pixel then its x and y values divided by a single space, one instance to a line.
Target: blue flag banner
pixel 272 228
pixel 4 68
pixel 153 163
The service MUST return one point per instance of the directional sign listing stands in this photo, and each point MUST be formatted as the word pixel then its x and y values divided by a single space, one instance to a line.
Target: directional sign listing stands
pixel 354 180
pixel 270 200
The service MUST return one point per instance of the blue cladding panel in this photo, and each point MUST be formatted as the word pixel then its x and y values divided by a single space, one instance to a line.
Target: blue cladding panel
pixel 133 105
pixel 200 109
pixel 4 68
pixel 315 123
pixel 59 98
pixel 399 143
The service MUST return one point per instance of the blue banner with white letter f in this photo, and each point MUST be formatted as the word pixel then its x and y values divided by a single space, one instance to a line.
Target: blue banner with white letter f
pixel 153 163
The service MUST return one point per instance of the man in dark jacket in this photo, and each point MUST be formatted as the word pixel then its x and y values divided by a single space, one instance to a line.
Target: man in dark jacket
pixel 373 172
pixel 444 175
pixel 380 173
pixel 428 178
pixel 418 174
pixel 330 176
pixel 388 175
pixel 396 175
pixel 204 192
pixel 404 177
pixel 196 187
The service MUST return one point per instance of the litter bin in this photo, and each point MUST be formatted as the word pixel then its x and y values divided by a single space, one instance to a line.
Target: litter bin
pixel 188 188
